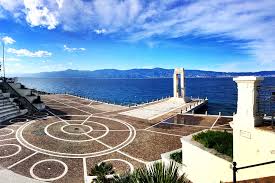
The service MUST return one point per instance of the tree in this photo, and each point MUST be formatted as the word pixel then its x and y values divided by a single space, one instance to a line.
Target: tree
pixel 101 171
pixel 159 173
pixel 156 173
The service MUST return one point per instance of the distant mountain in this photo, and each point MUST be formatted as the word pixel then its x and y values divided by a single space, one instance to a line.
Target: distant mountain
pixel 142 73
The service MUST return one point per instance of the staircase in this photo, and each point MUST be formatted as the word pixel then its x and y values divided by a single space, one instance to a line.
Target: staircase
pixel 8 109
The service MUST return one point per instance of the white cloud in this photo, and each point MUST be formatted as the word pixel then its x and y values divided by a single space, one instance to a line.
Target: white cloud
pixel 28 53
pixel 66 48
pixel 39 15
pixel 12 59
pixel 248 24
pixel 100 31
pixel 8 40
pixel 11 5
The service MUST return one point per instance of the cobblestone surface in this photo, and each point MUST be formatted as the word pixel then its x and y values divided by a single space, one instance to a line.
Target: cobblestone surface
pixel 78 133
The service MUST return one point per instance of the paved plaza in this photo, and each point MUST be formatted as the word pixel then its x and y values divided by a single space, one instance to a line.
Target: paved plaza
pixel 74 134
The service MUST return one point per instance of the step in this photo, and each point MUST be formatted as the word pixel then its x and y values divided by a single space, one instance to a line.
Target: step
pixel 5 102
pixel 5 98
pixel 8 110
pixel 6 115
pixel 7 106
pixel 10 116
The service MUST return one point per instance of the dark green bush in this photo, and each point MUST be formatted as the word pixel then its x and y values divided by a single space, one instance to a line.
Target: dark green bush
pixel 156 173
pixel 177 156
pixel 218 140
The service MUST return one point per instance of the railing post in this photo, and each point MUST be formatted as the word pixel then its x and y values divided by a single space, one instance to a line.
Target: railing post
pixel 234 172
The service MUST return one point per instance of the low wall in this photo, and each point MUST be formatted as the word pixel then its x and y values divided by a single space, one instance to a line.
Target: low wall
pixel 15 85
pixel 165 157
pixel 23 92
pixel 201 165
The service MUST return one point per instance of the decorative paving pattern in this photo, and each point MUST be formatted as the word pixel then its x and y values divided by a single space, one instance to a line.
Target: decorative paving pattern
pixel 75 134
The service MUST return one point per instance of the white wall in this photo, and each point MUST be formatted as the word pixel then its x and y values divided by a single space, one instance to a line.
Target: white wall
pixel 202 166
pixel 252 146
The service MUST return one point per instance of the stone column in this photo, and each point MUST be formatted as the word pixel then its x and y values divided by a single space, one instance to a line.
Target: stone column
pixel 182 84
pixel 176 84
pixel 247 101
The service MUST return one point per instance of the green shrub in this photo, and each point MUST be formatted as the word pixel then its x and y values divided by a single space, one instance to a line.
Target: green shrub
pixel 177 156
pixel 220 141
pixel 155 173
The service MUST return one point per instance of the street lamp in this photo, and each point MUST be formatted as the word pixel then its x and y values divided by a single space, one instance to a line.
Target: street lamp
pixel 3 44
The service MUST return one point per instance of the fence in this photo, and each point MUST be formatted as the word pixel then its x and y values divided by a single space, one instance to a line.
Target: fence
pixel 235 168
pixel 266 103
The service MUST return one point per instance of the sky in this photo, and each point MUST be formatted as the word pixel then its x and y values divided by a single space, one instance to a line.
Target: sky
pixel 216 35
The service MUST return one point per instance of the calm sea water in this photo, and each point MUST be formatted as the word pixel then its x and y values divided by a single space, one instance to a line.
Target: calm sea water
pixel 221 92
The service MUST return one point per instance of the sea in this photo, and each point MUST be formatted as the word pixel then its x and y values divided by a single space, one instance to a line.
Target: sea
pixel 220 92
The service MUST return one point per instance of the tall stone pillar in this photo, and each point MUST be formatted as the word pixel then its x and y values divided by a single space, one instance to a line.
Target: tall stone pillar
pixel 176 85
pixel 247 101
pixel 179 93
pixel 182 83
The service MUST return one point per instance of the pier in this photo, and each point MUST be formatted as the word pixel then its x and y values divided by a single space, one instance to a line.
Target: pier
pixel 178 103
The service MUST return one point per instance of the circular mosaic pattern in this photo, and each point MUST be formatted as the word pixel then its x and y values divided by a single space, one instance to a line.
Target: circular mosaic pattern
pixel 76 129
pixel 77 132
pixel 9 150
pixel 6 132
pixel 48 170
pixel 87 139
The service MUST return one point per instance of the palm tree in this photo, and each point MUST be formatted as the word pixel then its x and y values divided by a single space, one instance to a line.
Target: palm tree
pixel 156 173
pixel 101 171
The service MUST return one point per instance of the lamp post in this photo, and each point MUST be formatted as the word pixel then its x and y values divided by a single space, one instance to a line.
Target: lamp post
pixel 4 72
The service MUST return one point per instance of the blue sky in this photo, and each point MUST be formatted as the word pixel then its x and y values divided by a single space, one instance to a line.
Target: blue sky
pixel 218 35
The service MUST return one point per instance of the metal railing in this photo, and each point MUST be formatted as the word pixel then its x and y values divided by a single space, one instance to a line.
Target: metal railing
pixel 235 168
pixel 266 104
pixel 266 100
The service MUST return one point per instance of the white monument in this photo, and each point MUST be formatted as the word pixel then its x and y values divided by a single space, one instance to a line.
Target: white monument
pixel 179 92
pixel 251 143
pixel 247 101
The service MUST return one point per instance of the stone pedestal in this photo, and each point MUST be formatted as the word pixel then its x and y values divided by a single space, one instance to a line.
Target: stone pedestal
pixel 247 102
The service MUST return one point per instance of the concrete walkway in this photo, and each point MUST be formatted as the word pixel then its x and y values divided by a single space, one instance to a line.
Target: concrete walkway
pixel 152 111
pixel 7 176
